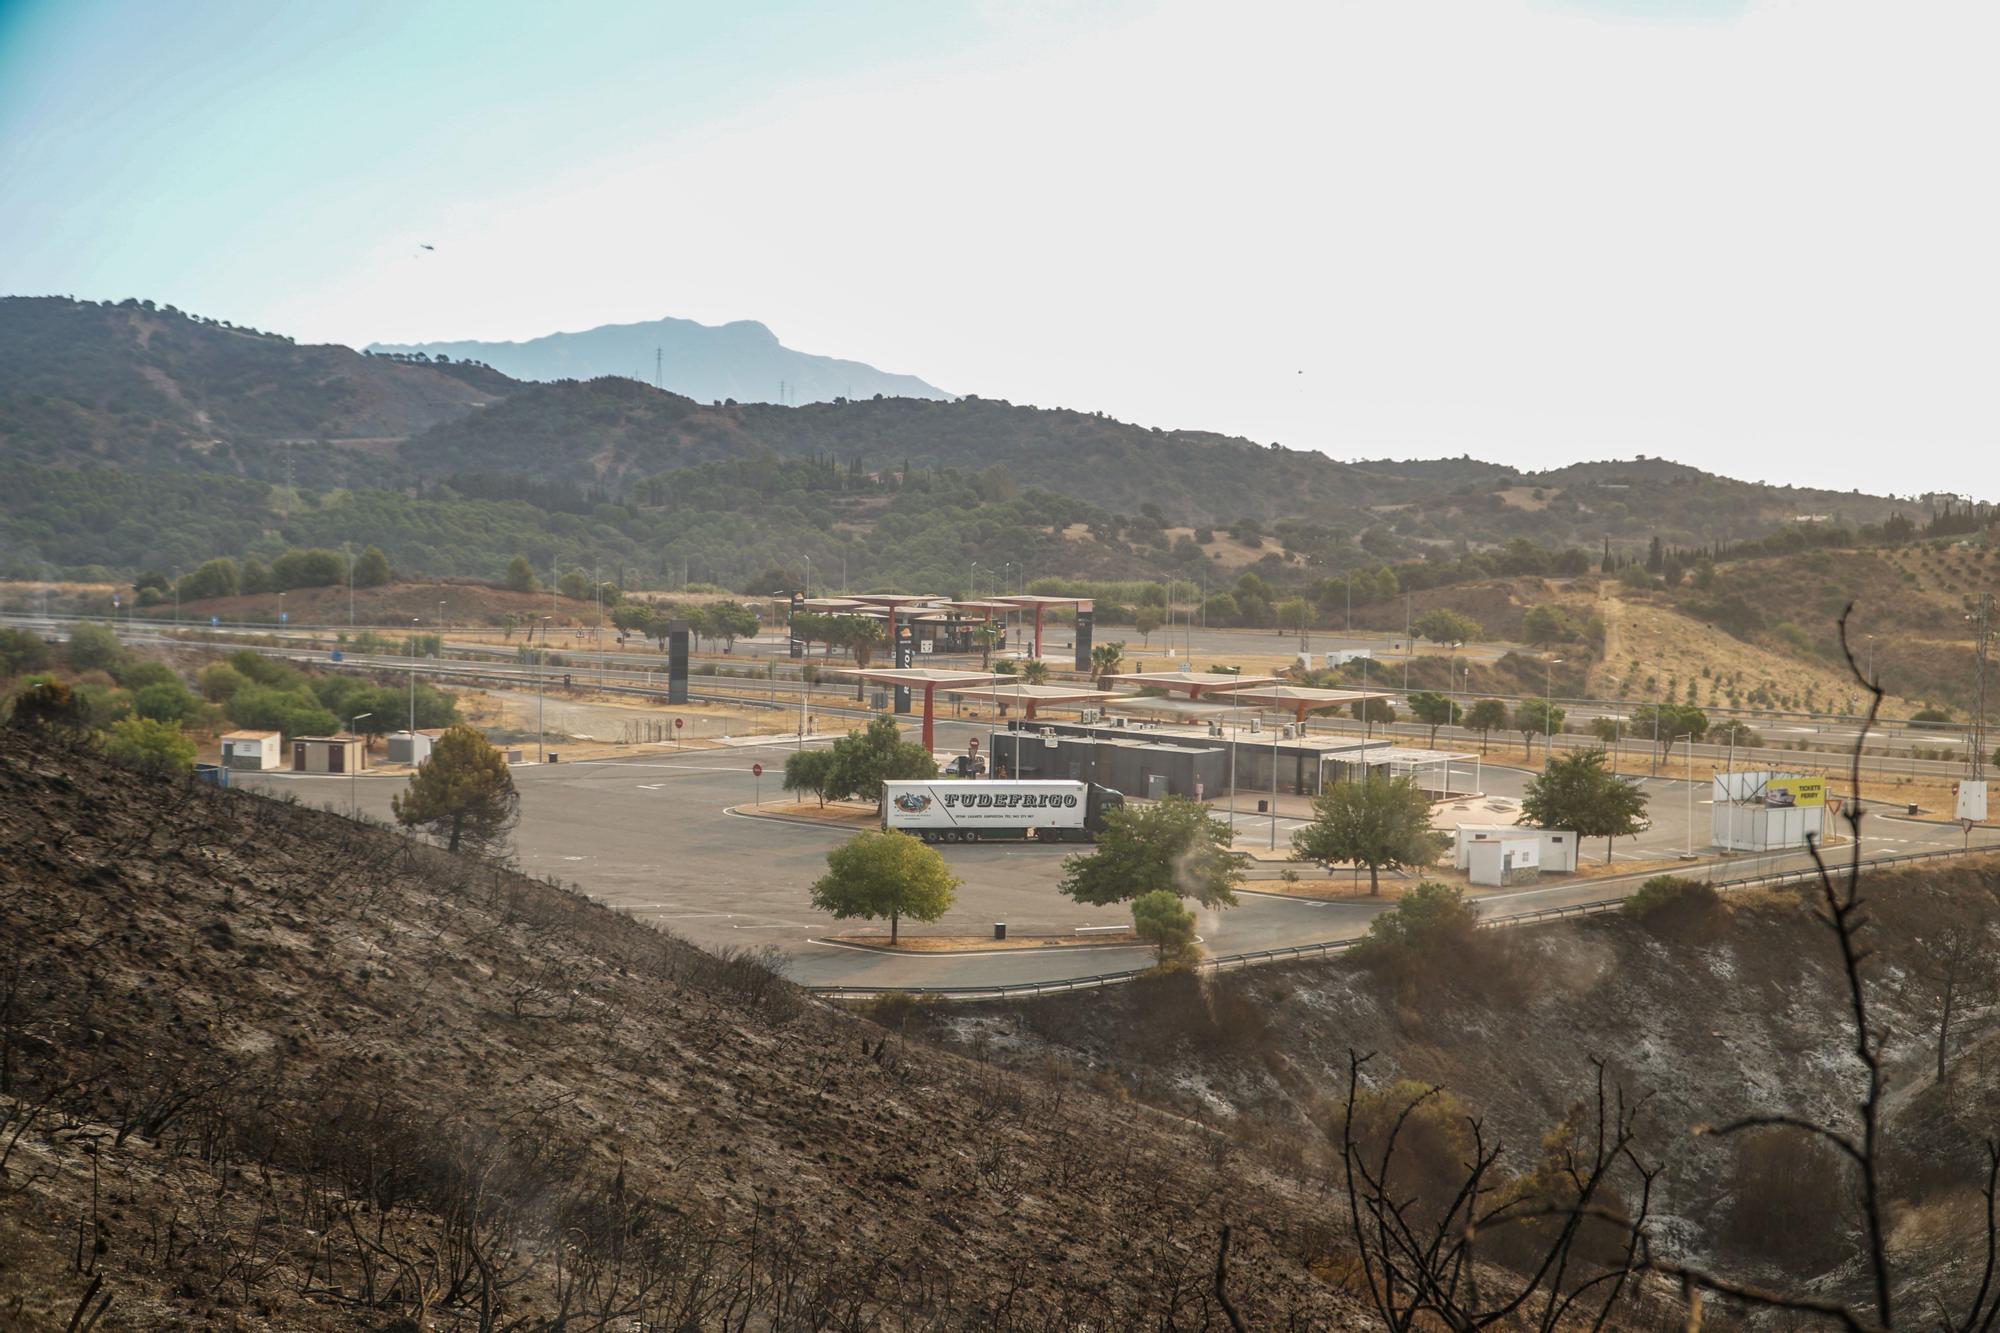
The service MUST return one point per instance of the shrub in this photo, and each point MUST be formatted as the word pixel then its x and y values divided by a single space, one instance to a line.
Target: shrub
pixel 1430 920
pixel 219 682
pixel 93 647
pixel 1671 905
pixel 148 746
pixel 166 701
pixel 1433 1142
pixel 21 651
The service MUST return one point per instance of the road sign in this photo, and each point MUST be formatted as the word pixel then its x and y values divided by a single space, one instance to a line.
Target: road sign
pixel 678 723
pixel 284 617
pixel 756 770
pixel 213 621
pixel 973 745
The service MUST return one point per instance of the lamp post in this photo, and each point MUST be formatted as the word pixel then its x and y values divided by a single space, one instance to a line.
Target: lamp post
pixel 1274 787
pixel 347 555
pixel 354 774
pixel 541 696
pixel 1548 708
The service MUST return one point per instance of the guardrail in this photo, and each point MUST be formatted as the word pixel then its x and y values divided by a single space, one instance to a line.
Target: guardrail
pixel 1237 961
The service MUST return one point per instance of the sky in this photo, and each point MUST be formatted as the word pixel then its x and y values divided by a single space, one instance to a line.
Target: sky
pixel 1757 236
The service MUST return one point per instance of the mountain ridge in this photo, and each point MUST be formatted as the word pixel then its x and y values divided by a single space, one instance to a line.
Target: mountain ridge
pixel 741 359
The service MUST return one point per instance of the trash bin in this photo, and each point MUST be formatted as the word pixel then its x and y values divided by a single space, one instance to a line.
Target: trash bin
pixel 553 756
pixel 1913 809
pixel 999 930
pixel 1263 807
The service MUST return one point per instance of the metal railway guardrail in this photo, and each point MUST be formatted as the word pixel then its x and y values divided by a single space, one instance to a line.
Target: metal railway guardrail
pixel 1287 953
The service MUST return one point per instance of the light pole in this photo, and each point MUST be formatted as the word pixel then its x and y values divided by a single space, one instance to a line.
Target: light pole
pixel 1548 708
pixel 348 555
pixel 972 583
pixel 413 688
pixel 354 774
pixel 541 696
pixel 281 608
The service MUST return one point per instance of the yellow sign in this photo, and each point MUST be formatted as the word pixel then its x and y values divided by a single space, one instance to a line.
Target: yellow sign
pixel 1795 791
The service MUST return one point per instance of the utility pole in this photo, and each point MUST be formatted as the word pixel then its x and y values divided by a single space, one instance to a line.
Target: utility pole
pixel 659 356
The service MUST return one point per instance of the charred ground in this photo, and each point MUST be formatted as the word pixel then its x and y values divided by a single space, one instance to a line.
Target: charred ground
pixel 267 1068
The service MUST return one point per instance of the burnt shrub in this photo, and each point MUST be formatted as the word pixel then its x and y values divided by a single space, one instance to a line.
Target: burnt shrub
pixel 1791 1202
pixel 1679 908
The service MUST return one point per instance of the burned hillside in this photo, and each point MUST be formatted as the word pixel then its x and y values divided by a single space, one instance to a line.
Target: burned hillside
pixel 263 1067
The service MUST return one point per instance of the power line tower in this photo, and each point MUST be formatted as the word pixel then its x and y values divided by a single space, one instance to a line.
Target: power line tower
pixel 659 358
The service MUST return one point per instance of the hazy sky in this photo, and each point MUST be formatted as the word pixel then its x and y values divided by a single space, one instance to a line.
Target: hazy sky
pixel 1759 237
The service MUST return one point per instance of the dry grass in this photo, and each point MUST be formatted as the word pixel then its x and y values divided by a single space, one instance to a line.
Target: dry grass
pixel 906 943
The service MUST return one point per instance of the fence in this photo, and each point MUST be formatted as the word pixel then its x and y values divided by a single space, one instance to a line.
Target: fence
pixel 1236 961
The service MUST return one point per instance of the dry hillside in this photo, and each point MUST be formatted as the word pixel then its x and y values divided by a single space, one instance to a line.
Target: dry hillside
pixel 263 1068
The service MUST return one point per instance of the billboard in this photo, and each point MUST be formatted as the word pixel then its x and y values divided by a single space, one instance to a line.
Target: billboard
pixel 1972 801
pixel 1788 792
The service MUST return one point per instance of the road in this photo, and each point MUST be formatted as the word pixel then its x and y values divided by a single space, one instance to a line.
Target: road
pixel 655 835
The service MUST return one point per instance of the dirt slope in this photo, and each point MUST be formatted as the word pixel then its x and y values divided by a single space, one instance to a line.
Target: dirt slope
pixel 293 1073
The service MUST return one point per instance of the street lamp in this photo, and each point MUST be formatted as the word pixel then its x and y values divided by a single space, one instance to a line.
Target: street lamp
pixel 1548 708
pixel 413 688
pixel 541 694
pixel 354 774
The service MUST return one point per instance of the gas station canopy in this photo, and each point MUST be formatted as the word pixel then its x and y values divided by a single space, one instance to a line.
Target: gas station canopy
pixel 1190 683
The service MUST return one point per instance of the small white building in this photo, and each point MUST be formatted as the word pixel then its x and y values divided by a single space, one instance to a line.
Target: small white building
pixel 257 750
pixel 1501 861
pixel 1556 850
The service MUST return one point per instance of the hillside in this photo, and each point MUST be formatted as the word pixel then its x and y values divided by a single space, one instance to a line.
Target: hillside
pixel 143 387
pixel 617 430
pixel 285 1072
pixel 1736 1012
pixel 742 360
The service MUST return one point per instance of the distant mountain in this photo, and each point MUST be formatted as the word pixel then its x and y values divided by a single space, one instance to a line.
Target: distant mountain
pixel 139 386
pixel 742 360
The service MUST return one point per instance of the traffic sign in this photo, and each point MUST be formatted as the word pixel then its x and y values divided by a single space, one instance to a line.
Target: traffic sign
pixel 213 621
pixel 678 724
pixel 756 770
pixel 973 745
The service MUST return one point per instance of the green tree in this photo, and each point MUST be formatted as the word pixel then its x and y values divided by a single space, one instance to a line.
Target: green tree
pixel 1174 844
pixel 1035 671
pixel 1536 717
pixel 149 746
pixel 21 652
pixel 1104 660
pixel 1434 710
pixel 864 760
pixel 575 585
pixel 214 578
pixel 218 681
pixel 166 701
pixel 372 569
pixel 1145 620
pixel 1430 920
pixel 255 579
pixel 1159 919
pixel 1293 614
pixel 1546 624
pixel 93 648
pixel 1443 625
pixel 1379 711
pixel 809 771
pixel 521 575
pixel 462 794
pixel 317 568
pixel 1668 723
pixel 268 708
pixel 1486 717
pixel 886 873
pixel 1579 793
pixel 1380 823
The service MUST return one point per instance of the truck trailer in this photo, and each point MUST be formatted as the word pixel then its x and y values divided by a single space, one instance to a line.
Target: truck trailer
pixel 942 810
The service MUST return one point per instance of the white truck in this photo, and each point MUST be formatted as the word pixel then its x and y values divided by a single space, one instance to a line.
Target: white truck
pixel 943 810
